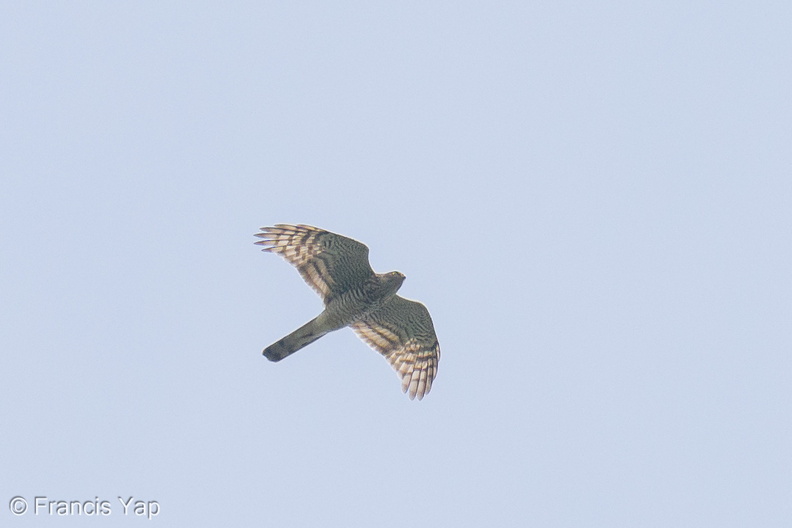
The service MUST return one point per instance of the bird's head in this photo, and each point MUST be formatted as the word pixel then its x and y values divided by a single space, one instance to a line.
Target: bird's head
pixel 392 281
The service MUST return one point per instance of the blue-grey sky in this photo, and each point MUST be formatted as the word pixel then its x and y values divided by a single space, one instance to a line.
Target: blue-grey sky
pixel 594 200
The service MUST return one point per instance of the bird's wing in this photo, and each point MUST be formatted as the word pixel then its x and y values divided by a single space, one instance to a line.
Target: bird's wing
pixel 331 264
pixel 402 331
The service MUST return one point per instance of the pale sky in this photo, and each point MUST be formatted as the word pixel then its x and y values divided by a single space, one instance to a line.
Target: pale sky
pixel 594 200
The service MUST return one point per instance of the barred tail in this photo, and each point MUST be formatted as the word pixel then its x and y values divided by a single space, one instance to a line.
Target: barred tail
pixel 303 336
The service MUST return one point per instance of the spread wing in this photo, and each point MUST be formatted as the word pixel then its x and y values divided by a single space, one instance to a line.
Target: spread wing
pixel 402 331
pixel 331 264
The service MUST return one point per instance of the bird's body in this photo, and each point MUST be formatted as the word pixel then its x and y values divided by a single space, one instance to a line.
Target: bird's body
pixel 341 311
pixel 337 268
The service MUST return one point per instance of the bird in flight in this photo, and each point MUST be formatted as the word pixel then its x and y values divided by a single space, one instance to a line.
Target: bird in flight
pixel 338 269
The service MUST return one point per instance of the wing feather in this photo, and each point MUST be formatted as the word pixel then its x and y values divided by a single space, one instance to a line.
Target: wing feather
pixel 402 331
pixel 331 264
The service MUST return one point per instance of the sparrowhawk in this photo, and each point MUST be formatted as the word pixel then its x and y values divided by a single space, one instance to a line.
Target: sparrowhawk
pixel 337 267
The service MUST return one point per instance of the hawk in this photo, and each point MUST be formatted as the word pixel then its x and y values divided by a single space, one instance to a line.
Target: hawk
pixel 338 269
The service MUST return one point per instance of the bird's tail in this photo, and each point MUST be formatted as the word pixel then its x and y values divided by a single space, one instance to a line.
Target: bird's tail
pixel 303 336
